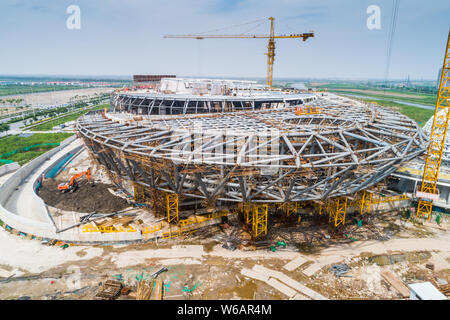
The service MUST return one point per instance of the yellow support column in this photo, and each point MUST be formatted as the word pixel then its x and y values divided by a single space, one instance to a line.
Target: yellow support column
pixel 247 209
pixel 337 211
pixel 294 206
pixel 259 223
pixel 365 202
pixel 172 207
pixel 289 208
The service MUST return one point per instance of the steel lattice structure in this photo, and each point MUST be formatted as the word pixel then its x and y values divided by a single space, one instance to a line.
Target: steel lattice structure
pixel 156 103
pixel 270 156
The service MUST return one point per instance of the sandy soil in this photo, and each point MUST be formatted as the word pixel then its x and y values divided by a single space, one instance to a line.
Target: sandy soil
pixel 214 272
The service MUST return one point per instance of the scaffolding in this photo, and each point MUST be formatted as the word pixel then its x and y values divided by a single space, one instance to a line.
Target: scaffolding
pixel 337 209
pixel 172 207
pixel 365 202
pixel 289 208
pixel 259 221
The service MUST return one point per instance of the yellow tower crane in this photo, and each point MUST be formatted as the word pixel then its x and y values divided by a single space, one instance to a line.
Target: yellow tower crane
pixel 270 47
pixel 437 141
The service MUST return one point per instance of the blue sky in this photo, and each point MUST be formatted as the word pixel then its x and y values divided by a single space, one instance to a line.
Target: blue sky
pixel 126 37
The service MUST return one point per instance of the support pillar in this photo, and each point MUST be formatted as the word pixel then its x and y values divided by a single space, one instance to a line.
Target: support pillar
pixel 365 202
pixel 337 211
pixel 259 223
pixel 172 207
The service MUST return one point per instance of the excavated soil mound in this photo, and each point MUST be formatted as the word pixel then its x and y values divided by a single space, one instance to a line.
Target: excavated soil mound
pixel 87 198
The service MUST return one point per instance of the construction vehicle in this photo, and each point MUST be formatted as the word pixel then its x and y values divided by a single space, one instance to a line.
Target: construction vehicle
pixel 270 47
pixel 72 184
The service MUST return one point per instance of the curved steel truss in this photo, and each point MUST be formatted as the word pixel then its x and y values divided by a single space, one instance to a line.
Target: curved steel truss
pixel 167 104
pixel 256 156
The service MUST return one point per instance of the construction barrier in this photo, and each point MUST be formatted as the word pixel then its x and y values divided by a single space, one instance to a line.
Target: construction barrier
pixel 390 199
pixel 24 149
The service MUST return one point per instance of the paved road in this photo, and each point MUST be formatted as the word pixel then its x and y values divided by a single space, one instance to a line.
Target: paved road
pixel 19 202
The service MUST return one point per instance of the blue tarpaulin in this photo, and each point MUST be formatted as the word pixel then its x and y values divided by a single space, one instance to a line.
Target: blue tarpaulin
pixel 54 171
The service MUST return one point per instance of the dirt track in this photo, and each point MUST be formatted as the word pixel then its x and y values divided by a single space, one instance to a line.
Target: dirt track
pixel 88 197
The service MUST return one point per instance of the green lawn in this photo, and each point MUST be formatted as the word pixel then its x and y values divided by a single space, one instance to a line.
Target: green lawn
pixel 419 115
pixel 426 99
pixel 10 143
pixel 71 117
pixel 13 89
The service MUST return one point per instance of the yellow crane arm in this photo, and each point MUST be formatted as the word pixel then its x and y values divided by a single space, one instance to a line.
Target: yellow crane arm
pixel 241 36
pixel 270 47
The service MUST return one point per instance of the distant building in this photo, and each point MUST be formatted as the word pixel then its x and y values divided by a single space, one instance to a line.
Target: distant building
pixel 149 80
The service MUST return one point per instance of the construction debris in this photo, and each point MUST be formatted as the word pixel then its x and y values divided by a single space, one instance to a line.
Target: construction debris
pixel 445 290
pixel 429 266
pixel 158 288
pixel 340 270
pixel 155 275
pixel 109 290
pixel 125 291
pixel 395 282
pixel 144 290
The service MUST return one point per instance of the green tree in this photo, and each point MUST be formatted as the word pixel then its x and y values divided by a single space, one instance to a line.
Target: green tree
pixel 4 127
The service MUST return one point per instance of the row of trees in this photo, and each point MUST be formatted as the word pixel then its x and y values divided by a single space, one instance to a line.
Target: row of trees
pixel 3 101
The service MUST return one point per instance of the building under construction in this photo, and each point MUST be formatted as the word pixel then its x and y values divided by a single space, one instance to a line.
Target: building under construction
pixel 211 145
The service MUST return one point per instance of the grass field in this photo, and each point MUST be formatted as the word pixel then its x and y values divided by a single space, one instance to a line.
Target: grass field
pixel 10 143
pixel 426 99
pixel 70 117
pixel 421 95
pixel 8 90
pixel 419 115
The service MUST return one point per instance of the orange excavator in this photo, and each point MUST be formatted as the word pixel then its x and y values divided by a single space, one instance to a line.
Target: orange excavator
pixel 72 184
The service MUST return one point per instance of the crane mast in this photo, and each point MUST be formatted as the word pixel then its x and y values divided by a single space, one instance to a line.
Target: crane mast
pixel 270 53
pixel 437 141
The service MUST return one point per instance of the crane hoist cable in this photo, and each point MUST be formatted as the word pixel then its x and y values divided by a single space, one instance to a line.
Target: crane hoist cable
pixel 390 41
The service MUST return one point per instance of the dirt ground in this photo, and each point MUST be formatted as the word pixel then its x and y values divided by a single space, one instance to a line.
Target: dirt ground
pixel 89 197
pixel 203 266
pixel 200 268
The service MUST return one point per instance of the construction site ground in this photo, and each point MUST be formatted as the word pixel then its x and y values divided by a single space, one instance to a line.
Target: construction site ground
pixel 98 195
pixel 199 267
pixel 217 262
pixel 89 197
